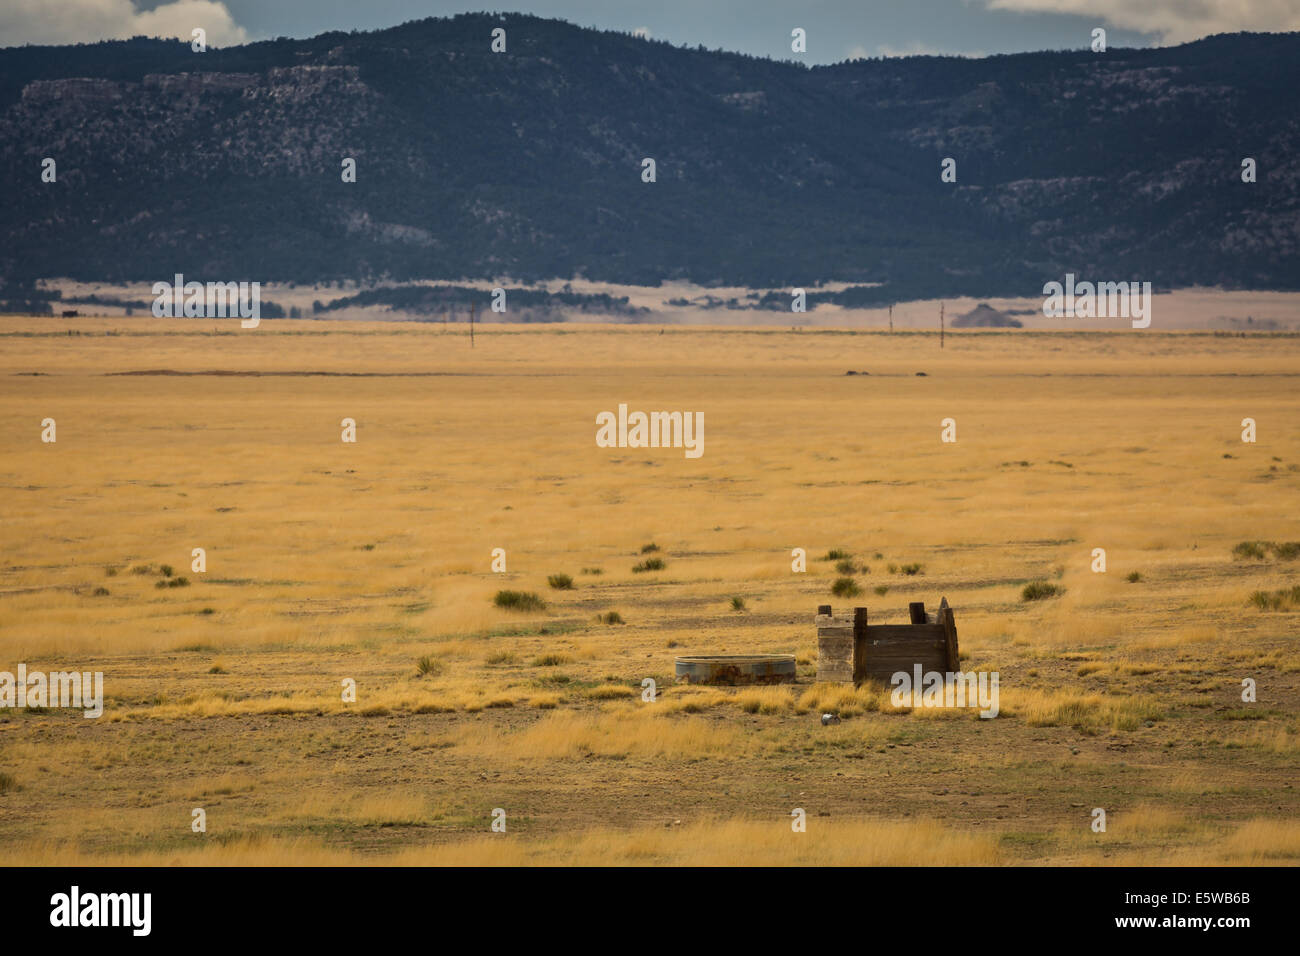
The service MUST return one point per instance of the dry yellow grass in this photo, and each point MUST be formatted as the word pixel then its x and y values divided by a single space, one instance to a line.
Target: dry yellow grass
pixel 329 562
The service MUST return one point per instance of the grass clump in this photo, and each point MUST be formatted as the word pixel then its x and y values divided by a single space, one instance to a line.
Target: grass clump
pixel 1134 577
pixel 550 660
pixel 649 548
pixel 912 569
pixel 649 564
pixel 837 554
pixel 519 601
pixel 845 587
pixel 560 582
pixel 1260 550
pixel 738 604
pixel 501 657
pixel 610 617
pixel 1039 590
pixel 1285 599
pixel 428 666
pixel 1251 549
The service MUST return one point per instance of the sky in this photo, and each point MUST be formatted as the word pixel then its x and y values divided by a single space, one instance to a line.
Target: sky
pixel 836 29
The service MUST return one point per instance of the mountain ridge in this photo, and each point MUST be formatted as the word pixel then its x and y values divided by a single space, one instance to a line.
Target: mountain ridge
pixel 472 164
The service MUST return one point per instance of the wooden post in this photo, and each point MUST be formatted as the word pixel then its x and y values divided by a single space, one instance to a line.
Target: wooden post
pixel 835 647
pixel 859 643
pixel 916 610
pixel 950 633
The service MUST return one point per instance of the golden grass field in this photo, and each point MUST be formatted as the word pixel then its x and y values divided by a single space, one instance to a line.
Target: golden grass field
pixel 328 561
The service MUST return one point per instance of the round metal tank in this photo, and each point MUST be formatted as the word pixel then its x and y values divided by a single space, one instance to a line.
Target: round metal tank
pixel 737 669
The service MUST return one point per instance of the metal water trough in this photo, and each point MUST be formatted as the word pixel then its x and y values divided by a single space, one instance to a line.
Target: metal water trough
pixel 737 669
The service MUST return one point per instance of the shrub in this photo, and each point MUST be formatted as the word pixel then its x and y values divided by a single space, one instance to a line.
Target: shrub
pixel 560 582
pixel 165 570
pixel 845 567
pixel 650 564
pixel 912 569
pixel 592 571
pixel 610 617
pixel 737 603
pixel 1250 549
pixel 100 592
pixel 1038 590
pixel 845 587
pixel 881 589
pixel 1134 577
pixel 519 601
pixel 837 554
pixel 428 666
pixel 649 548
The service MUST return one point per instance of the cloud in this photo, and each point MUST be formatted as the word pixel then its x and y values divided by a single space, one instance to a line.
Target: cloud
pixel 642 32
pixel 83 21
pixel 1173 21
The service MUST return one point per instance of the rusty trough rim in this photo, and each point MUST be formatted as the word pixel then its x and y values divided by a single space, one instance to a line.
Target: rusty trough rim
pixel 732 658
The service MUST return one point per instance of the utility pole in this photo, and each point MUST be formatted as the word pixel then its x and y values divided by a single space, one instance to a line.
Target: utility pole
pixel 940 325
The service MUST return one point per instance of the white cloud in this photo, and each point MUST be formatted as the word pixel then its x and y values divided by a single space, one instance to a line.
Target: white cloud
pixel 642 32
pixel 81 21
pixel 1173 21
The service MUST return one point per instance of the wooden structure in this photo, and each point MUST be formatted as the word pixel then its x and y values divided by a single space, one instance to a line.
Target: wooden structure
pixel 849 650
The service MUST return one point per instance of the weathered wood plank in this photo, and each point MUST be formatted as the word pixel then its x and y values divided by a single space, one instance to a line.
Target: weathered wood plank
pixel 950 634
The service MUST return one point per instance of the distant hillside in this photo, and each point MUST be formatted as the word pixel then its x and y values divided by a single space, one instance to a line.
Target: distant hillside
pixel 984 316
pixel 527 165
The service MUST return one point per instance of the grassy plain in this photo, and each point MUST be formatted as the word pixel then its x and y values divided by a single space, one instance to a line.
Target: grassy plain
pixel 328 561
